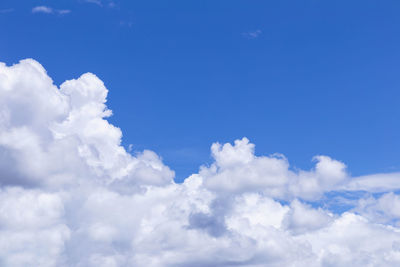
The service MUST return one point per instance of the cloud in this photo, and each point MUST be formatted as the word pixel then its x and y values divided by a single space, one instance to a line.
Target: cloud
pixel 381 182
pixel 42 9
pixel 49 10
pixel 97 2
pixel 63 11
pixel 71 195
pixel 252 34
pixel 269 175
pixel 103 3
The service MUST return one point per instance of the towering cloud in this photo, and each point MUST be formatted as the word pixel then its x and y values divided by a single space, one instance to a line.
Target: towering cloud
pixel 71 195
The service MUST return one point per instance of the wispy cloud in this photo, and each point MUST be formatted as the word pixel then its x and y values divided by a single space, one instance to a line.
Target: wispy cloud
pixel 63 11
pixel 102 3
pixel 97 2
pixel 252 34
pixel 50 10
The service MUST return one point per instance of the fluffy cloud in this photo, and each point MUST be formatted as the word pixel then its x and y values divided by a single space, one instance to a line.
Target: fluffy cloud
pixel 236 169
pixel 57 137
pixel 71 195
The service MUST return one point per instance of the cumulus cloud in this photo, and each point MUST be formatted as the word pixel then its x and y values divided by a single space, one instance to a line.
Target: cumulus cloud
pixel 71 195
pixel 237 169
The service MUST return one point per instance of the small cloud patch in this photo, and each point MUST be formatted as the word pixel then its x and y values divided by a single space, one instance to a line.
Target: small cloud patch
pixel 50 10
pixel 252 34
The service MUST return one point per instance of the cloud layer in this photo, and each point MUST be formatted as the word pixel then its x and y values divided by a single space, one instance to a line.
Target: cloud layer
pixel 71 195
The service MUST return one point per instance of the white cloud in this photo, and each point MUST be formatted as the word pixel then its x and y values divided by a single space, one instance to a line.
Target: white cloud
pixel 63 11
pixel 33 229
pixel 381 182
pixel 97 2
pixel 101 3
pixel 302 218
pixel 50 10
pixel 384 209
pixel 236 169
pixel 42 9
pixel 252 34
pixel 64 130
pixel 71 195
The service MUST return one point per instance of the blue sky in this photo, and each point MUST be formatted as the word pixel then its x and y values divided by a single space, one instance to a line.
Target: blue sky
pixel 300 78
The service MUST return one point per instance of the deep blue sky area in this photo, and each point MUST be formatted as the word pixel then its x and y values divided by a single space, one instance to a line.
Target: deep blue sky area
pixel 300 78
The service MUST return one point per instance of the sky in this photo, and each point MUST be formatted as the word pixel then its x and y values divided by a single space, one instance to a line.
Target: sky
pixel 199 133
pixel 184 74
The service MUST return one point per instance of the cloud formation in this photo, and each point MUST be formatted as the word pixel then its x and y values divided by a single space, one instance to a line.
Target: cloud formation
pixel 71 195
pixel 50 10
